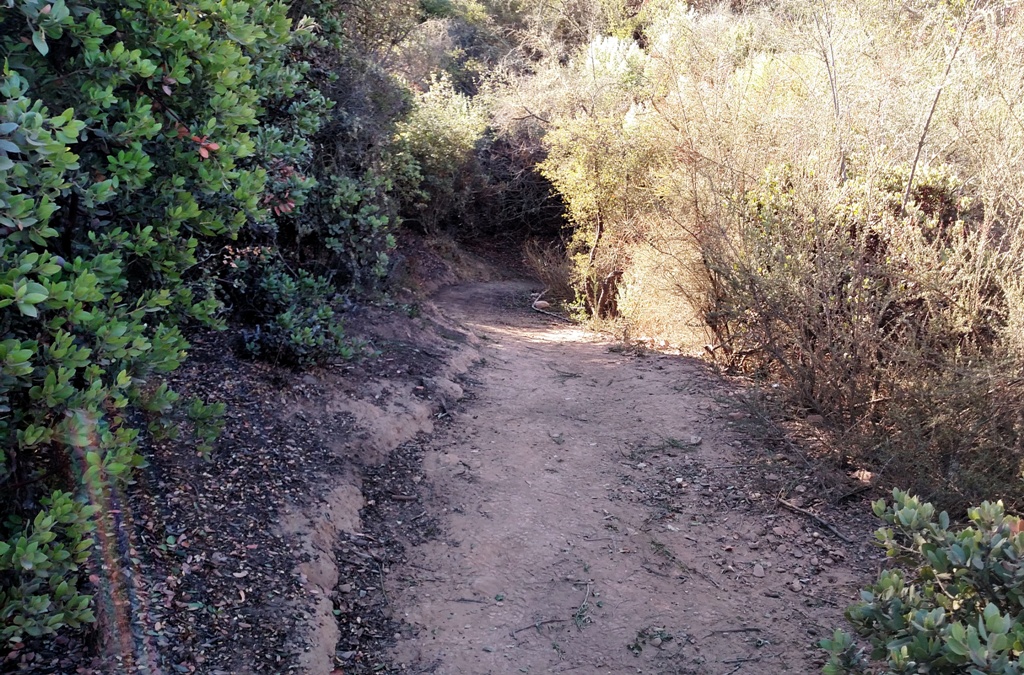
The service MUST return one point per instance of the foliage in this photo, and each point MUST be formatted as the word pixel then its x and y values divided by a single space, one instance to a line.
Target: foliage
pixel 761 174
pixel 40 565
pixel 294 315
pixel 442 134
pixel 130 151
pixel 956 608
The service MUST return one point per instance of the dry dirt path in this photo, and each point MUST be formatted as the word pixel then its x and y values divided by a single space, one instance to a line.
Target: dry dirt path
pixel 586 527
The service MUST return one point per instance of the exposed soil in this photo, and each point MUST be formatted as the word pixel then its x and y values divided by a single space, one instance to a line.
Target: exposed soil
pixel 496 492
pixel 601 512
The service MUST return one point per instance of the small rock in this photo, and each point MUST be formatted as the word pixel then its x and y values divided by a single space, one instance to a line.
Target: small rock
pixel 796 586
pixel 758 571
pixel 772 476
pixel 816 420
pixel 656 642
pixel 696 440
pixel 779 531
pixel 798 554
pixel 801 488
pixel 754 545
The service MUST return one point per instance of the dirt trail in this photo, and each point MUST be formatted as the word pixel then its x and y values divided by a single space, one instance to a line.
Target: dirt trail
pixel 586 529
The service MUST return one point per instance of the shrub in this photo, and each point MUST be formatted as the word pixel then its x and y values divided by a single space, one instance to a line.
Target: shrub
pixel 127 158
pixel 442 134
pixel 39 567
pixel 292 317
pixel 956 605
pixel 786 181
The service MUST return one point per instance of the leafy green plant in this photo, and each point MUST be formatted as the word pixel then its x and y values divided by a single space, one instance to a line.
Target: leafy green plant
pixel 208 422
pixel 40 565
pixel 293 316
pixel 442 134
pixel 127 159
pixel 954 604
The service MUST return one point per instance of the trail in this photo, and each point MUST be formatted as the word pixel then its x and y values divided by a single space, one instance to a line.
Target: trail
pixel 585 530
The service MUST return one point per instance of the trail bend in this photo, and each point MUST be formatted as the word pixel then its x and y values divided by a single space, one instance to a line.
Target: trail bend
pixel 586 528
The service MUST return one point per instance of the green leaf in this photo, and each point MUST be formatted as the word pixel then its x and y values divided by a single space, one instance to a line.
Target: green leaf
pixel 39 40
pixel 28 310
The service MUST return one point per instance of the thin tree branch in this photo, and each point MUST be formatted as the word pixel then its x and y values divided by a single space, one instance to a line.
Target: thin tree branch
pixel 935 104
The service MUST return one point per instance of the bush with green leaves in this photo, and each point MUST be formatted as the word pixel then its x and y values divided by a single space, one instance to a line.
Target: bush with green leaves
pixel 443 134
pixel 292 317
pixel 130 150
pixel 955 602
pixel 42 562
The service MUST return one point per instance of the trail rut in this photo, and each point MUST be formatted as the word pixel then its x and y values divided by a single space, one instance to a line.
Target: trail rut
pixel 586 527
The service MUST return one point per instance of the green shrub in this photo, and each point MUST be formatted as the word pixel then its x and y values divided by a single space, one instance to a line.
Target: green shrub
pixel 293 317
pixel 442 135
pixel 39 567
pixel 954 607
pixel 130 151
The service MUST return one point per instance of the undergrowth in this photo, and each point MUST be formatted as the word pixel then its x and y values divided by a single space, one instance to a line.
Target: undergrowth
pixel 845 220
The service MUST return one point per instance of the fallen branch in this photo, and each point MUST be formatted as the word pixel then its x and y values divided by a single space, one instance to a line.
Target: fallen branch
pixel 817 519
pixel 743 660
pixel 538 625
pixel 733 630
pixel 557 316
pixel 704 576
pixel 384 592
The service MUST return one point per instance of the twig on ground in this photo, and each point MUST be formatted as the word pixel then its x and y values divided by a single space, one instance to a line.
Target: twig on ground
pixel 733 630
pixel 820 599
pixel 404 498
pixel 538 624
pixel 749 659
pixel 853 493
pixel 557 316
pixel 383 591
pixel 816 518
pixel 698 573
pixel 580 618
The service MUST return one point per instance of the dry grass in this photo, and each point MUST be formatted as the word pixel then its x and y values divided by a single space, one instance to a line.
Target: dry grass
pixel 551 266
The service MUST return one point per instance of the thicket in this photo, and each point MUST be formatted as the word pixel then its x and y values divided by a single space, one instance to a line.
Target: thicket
pixel 167 166
pixel 826 194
